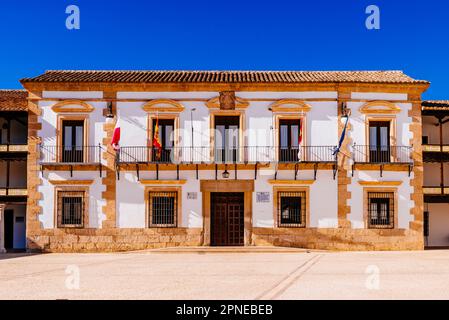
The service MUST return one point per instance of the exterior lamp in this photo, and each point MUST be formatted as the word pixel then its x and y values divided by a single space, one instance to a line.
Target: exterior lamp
pixel 225 174
pixel 109 114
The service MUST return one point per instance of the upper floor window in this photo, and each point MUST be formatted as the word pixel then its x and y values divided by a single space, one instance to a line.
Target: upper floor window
pixel 379 141
pixel 227 138
pixel 290 138
pixel 73 141
pixel 165 137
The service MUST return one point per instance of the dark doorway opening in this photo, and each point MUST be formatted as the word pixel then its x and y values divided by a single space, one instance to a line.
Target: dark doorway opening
pixel 9 229
pixel 227 219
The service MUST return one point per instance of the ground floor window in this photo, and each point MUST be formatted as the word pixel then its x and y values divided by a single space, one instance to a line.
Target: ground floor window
pixel 291 209
pixel 163 209
pixel 381 210
pixel 71 209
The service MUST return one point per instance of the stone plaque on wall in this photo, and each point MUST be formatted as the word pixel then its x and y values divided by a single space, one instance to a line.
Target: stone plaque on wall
pixel 227 100
pixel 262 197
pixel 192 195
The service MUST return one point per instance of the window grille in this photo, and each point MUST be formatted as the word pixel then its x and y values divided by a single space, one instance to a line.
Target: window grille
pixel 381 210
pixel 163 209
pixel 292 209
pixel 71 208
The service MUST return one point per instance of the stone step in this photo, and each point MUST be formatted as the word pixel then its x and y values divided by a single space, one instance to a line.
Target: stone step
pixel 248 249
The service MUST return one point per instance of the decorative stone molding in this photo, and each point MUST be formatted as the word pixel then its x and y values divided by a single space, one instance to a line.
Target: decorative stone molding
pixel 380 183
pixel 290 105
pixel 72 106
pixel 291 182
pixel 163 105
pixel 71 182
pixel 163 182
pixel 379 107
pixel 240 103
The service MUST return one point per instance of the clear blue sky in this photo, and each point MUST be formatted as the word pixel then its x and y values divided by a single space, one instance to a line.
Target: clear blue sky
pixel 241 35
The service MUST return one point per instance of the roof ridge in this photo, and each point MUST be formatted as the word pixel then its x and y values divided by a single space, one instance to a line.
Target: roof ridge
pixel 216 70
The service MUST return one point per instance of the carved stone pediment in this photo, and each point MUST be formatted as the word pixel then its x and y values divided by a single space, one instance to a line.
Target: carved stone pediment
pixel 227 100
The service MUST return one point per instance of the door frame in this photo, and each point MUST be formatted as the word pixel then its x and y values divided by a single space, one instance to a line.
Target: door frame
pixel 245 186
pixel 225 198
pixel 59 129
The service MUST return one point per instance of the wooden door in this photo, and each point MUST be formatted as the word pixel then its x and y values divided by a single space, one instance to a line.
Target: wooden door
pixel 227 219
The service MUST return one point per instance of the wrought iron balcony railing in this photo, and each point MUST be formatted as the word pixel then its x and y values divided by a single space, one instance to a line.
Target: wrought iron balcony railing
pixel 70 154
pixel 382 154
pixel 240 155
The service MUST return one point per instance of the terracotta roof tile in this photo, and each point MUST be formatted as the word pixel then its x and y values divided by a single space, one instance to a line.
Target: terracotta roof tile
pixel 224 76
pixel 13 100
pixel 435 105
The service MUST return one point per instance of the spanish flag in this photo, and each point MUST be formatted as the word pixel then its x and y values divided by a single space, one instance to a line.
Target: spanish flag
pixel 156 140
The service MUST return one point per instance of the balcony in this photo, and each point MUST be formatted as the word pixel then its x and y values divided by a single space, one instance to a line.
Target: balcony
pixel 240 155
pixel 79 155
pixel 13 148
pixel 382 154
pixel 13 178
pixel 435 153
pixel 71 156
pixel 436 194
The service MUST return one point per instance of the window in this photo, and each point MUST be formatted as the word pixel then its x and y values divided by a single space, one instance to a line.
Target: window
pixel 163 209
pixel 379 141
pixel 227 138
pixel 71 209
pixel 73 141
pixel 290 137
pixel 380 210
pixel 166 138
pixel 292 209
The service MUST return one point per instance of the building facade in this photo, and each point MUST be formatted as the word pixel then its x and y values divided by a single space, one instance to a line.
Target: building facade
pixel 435 141
pixel 225 159
pixel 13 169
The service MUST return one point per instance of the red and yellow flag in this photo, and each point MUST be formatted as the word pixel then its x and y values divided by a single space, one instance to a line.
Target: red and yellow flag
pixel 156 140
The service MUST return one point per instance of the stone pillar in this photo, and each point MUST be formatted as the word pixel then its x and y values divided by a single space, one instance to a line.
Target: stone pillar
pixel 343 165
pixel 2 228
pixel 33 225
pixel 109 180
pixel 417 181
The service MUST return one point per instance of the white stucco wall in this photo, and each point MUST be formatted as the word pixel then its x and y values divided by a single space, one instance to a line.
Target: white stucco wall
pixel 47 203
pixel 48 118
pixel 403 192
pixel 322 129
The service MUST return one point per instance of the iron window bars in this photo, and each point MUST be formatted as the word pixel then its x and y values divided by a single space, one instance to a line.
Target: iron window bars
pixel 71 208
pixel 292 209
pixel 163 210
pixel 380 210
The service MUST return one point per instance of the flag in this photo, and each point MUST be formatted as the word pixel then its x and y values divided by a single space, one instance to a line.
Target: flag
pixel 156 141
pixel 342 138
pixel 299 139
pixel 116 136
